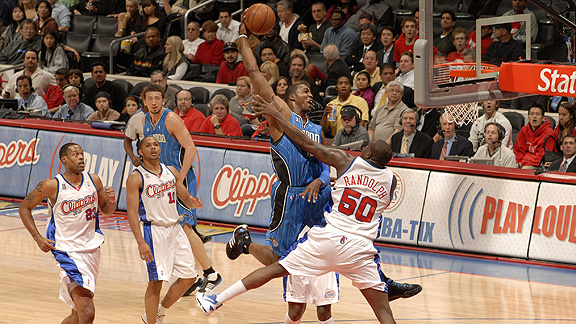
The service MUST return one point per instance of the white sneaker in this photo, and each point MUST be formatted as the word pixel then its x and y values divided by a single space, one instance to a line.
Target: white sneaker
pixel 207 303
pixel 160 319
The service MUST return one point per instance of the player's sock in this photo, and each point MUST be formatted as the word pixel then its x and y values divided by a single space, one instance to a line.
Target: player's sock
pixel 328 321
pixel 288 320
pixel 208 271
pixel 231 292
pixel 162 310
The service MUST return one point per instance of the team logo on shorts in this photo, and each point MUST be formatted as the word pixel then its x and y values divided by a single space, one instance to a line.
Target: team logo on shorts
pixel 330 294
pixel 291 197
pixel 343 240
pixel 274 242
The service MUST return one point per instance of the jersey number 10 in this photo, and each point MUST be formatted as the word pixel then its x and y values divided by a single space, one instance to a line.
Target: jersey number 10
pixel 351 204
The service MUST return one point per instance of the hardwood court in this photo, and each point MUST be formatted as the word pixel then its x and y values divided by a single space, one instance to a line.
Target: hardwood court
pixel 500 293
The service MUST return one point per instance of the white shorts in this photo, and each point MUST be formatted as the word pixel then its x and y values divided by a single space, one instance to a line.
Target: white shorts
pixel 172 253
pixel 352 256
pixel 319 291
pixel 77 269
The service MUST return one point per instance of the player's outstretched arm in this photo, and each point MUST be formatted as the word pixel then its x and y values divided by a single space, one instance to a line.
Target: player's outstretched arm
pixel 106 196
pixel 183 194
pixel 331 156
pixel 176 127
pixel 45 189
pixel 133 186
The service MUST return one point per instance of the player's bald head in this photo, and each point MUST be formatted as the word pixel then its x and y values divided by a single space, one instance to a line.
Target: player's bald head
pixel 378 151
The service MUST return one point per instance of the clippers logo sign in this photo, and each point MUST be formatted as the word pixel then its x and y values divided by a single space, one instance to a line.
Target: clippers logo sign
pixel 237 186
pixel 19 152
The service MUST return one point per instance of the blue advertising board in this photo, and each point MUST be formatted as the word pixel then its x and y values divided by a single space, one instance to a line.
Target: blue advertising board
pixel 18 152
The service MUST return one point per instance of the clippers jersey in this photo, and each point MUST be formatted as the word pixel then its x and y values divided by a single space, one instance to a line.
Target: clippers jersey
pixel 74 222
pixel 360 195
pixel 294 166
pixel 158 197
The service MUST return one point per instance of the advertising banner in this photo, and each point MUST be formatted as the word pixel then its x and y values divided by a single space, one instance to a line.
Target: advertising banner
pixel 478 214
pixel 554 228
pixel 18 152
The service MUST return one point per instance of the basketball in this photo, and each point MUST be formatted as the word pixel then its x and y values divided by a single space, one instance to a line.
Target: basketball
pixel 259 18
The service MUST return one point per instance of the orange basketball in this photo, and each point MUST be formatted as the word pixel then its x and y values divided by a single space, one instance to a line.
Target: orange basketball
pixel 259 18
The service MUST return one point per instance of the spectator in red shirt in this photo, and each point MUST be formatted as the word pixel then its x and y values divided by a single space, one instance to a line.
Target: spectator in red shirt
pixel 485 37
pixel 459 38
pixel 54 96
pixel 231 69
pixel 192 118
pixel 221 122
pixel 211 51
pixel 405 43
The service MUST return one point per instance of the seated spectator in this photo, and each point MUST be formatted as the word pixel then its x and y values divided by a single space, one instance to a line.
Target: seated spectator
pixel 312 71
pixel 45 22
pixel 298 66
pixel 76 77
pixel 493 147
pixel 52 55
pixel 311 43
pixel 345 97
pixel 103 109
pixel 289 22
pixel 281 49
pixel 405 43
pixel 129 22
pixel 335 66
pixel 97 8
pixel 386 119
pixel 506 49
pixel 459 38
pixel 280 87
pixel 221 122
pixel 410 140
pixel 73 109
pixel 566 163
pixel 40 78
pixel 149 58
pixel 348 7
pixel 27 99
pixel 231 69
pixel 131 106
pixel 566 122
pixel 491 114
pixel 429 120
pixel 61 14
pixel 175 64
pixel 485 37
pixel 158 77
pixel 151 17
pixel 344 37
pixel 270 72
pixel 227 26
pixel 211 51
pixel 534 139
pixel 192 40
pixel 29 8
pixel 367 42
pixel 268 54
pixel 28 40
pixel 444 41
pixel 54 96
pixel 518 30
pixel 469 56
pixel 386 53
pixel 452 144
pixel 364 89
pixel 406 74
pixel 370 62
pixel 379 88
pixel 192 118
pixel 12 31
pixel 351 130
pixel 241 100
pixel 116 92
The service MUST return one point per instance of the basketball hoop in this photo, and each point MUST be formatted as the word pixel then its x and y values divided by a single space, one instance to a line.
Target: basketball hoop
pixel 463 113
pixel 451 72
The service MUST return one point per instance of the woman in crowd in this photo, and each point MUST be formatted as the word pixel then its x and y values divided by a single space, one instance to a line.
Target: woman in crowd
pixel 211 51
pixel 175 63
pixel 221 122
pixel 131 106
pixel 129 21
pixel 29 8
pixel 75 77
pixel 52 56
pixel 241 106
pixel 151 17
pixel 45 22
pixel 12 31
pixel 349 7
pixel 566 122
pixel 364 89
pixel 281 86
pixel 270 72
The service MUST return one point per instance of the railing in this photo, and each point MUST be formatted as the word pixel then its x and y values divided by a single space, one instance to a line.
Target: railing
pixel 12 67
pixel 117 40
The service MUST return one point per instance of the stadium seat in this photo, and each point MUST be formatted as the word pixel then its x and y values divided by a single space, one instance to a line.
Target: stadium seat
pixel 203 108
pixel 552 122
pixel 78 41
pixel 317 59
pixel 138 88
pixel 227 92
pixel 106 26
pixel 127 86
pixel 83 24
pixel 200 95
pixel 102 45
pixel 517 122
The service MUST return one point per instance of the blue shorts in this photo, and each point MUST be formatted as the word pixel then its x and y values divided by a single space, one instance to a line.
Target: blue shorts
pixel 188 215
pixel 291 213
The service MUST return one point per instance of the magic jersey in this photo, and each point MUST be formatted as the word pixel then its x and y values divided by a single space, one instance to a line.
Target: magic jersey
pixel 294 166
pixel 360 195
pixel 74 216
pixel 158 197
pixel 171 152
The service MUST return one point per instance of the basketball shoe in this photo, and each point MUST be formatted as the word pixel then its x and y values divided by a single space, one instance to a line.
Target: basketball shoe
pixel 239 242
pixel 207 303
pixel 210 282
pixel 160 319
pixel 401 290
pixel 193 288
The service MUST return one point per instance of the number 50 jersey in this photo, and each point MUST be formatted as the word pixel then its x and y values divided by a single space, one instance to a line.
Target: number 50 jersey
pixel 360 195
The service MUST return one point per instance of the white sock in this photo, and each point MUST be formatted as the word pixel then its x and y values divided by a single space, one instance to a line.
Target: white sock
pixel 231 292
pixel 328 321
pixel 288 320
pixel 162 310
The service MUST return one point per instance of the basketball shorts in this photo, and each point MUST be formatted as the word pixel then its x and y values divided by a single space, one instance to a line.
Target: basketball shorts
pixel 326 249
pixel 291 213
pixel 188 215
pixel 172 253
pixel 320 291
pixel 77 269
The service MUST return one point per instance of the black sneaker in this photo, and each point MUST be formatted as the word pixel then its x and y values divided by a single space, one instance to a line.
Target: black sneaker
pixel 402 290
pixel 239 242
pixel 210 282
pixel 193 288
pixel 205 238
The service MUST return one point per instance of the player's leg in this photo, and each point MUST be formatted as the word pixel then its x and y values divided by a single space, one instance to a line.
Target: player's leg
pixel 84 303
pixel 324 314
pixel 178 287
pixel 152 301
pixel 211 278
pixel 379 303
pixel 295 313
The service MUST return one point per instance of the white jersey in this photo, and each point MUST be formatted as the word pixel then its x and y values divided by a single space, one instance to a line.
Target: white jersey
pixel 74 216
pixel 158 197
pixel 360 196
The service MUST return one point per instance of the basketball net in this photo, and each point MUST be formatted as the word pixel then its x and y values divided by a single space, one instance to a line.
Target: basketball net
pixel 463 113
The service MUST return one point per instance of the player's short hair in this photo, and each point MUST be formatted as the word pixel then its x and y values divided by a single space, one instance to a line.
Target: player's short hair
pixel 142 141
pixel 152 88
pixel 65 148
pixel 292 90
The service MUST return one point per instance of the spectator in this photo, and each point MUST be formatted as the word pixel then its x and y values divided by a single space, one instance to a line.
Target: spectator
pixel 52 55
pixel 241 106
pixel 429 120
pixel 566 163
pixel 340 35
pixel 370 62
pixel 270 72
pixel 158 77
pixel 282 51
pixel 491 114
pixel 493 147
pixel 289 22
pixel 151 17
pixel 54 95
pixel 268 54
pixel 386 53
pixel 469 56
pixel 506 49
pixel 117 93
pixel 45 22
pixel 452 144
pixel 29 8
pixel 298 65
pixel 61 14
pixel 103 109
pixel 459 38
pixel 130 22
pixel 211 51
pixel 42 79
pixel 566 122
pixel 175 64
pixel 131 106
pixel 97 8
pixel 518 30
pixel 311 43
pixel 348 7
pixel 149 58
pixel 281 86
pixel 406 75
pixel 73 109
pixel 367 42
pixel 27 99
pixel 364 91
pixel 379 89
pixel 351 130
pixel 405 43
pixel 380 11
pixel 227 27
pixel 335 66
pixel 12 31
pixel 534 139
pixel 231 69
pixel 345 97
pixel 29 40
pixel 76 77
pixel 5 8
pixel 444 41
pixel 410 140
pixel 192 40
pixel 220 123
pixel 312 71
pixel 485 39
pixel 192 118
pixel 386 120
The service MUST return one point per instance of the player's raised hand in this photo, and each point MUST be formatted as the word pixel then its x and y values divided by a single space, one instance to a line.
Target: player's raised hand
pixel 312 190
pixel 145 253
pixel 242 29
pixel 110 194
pixel 44 244
pixel 262 107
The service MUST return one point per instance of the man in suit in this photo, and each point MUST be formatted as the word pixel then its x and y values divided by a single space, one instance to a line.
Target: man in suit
pixel 368 34
pixel 335 66
pixel 410 140
pixel 452 144
pixel 566 164
pixel 386 53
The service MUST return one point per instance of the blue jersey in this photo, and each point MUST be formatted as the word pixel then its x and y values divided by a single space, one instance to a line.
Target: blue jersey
pixel 294 166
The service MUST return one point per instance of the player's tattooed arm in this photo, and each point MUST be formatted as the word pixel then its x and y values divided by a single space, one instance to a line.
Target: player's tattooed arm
pixel 45 189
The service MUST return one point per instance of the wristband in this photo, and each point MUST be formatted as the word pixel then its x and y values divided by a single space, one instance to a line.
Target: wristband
pixel 243 35
pixel 325 176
